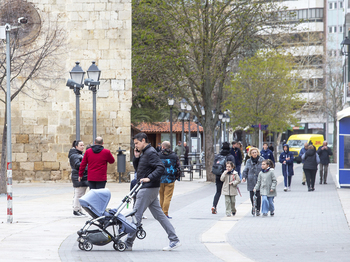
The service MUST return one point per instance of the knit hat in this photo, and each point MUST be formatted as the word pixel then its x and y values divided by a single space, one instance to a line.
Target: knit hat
pixel 226 146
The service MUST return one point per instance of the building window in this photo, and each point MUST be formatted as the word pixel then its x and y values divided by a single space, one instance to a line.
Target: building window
pixel 340 4
pixel 332 5
pixel 340 29
pixel 332 29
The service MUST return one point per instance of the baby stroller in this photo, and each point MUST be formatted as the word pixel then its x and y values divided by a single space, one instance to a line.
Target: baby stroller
pixel 95 203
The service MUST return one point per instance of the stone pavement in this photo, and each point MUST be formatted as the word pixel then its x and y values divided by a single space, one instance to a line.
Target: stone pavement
pixel 308 226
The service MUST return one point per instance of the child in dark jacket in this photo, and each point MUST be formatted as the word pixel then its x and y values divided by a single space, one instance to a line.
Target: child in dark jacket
pixel 286 159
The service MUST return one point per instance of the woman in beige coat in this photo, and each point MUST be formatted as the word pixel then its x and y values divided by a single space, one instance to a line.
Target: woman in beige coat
pixel 229 189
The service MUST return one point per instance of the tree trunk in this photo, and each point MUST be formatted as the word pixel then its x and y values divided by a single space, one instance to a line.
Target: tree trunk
pixel 209 151
pixel 3 174
pixel 335 140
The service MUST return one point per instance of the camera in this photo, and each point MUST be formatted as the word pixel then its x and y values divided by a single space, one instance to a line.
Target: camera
pixel 22 20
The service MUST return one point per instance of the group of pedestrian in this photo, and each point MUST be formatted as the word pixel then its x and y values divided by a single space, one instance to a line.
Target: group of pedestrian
pixel 311 159
pixel 89 169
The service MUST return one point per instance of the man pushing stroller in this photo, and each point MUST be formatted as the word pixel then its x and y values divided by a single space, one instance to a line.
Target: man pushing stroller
pixel 149 170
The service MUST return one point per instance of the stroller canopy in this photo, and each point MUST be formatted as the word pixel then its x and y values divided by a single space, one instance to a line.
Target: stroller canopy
pixel 97 200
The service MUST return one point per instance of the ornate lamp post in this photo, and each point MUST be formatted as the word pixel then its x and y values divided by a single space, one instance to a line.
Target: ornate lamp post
pixel 171 102
pixel 76 83
pixel 221 115
pixel 93 82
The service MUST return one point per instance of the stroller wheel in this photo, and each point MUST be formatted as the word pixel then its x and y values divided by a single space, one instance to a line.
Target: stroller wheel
pixel 120 246
pixel 81 246
pixel 87 246
pixel 141 234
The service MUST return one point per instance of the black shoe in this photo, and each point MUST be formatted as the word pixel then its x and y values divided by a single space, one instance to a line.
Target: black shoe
pixel 233 213
pixel 320 182
pixel 78 213
pixel 303 183
pixel 309 189
pixel 313 189
pixel 257 213
pixel 272 213
pixel 325 183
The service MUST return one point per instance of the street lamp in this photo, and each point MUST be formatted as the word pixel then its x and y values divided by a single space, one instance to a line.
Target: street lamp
pixel 76 83
pixel 224 121
pixel 346 42
pixel 183 104
pixel 189 108
pixel 228 133
pixel 93 82
pixel 221 115
pixel 5 34
pixel 171 102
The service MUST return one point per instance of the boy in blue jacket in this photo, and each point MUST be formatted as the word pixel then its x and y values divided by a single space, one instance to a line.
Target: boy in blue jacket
pixel 286 159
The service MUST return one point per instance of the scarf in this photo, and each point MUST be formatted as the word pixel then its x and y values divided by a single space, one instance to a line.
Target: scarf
pixel 266 170
pixel 254 160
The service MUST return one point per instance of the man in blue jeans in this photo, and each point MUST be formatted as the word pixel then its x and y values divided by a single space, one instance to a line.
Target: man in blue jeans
pixel 149 170
pixel 237 153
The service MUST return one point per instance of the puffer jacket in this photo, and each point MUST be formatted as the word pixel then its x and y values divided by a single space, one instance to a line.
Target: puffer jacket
pixel 172 166
pixel 287 168
pixel 310 159
pixel 251 172
pixel 75 157
pixel 227 188
pixel 266 182
pixel 149 165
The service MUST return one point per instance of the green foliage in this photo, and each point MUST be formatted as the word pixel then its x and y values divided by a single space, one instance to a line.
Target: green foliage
pixel 265 91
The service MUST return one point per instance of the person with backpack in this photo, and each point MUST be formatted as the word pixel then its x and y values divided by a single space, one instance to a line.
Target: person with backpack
pixel 250 174
pixel 218 168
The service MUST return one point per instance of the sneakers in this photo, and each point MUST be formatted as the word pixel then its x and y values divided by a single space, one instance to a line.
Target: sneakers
pixel 285 189
pixel 172 246
pixel 257 213
pixel 289 188
pixel 213 210
pixel 128 248
pixel 265 214
pixel 78 213
pixel 228 215
pixel 303 183
pixel 253 211
pixel 168 217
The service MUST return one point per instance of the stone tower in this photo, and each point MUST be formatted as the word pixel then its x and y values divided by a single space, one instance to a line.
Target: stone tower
pixel 42 132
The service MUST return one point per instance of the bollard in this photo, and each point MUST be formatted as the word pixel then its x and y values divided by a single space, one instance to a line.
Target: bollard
pixel 121 163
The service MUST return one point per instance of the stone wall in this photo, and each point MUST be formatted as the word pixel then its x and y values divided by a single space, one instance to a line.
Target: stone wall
pixel 42 132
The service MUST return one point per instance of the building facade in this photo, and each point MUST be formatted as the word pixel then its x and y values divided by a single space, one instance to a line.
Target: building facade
pixel 43 131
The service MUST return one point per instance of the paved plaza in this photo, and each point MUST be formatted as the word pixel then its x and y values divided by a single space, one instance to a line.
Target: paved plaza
pixel 307 226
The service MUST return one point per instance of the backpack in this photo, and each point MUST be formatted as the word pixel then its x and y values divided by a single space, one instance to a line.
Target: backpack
pixel 219 165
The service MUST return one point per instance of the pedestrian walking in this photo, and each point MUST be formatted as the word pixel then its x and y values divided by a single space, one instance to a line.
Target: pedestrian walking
pixel 286 159
pixel 311 160
pixel 230 179
pixel 149 168
pixel 271 147
pixel 324 152
pixel 266 184
pixel 237 154
pixel 218 168
pixel 171 174
pixel 301 153
pixel 75 156
pixel 250 174
pixel 266 153
pixel 187 151
pixel 96 159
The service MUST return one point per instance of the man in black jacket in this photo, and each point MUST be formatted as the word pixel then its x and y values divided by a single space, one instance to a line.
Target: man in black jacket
pixel 324 152
pixel 149 169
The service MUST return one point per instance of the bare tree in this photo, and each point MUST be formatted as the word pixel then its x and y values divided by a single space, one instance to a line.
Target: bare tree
pixel 34 49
